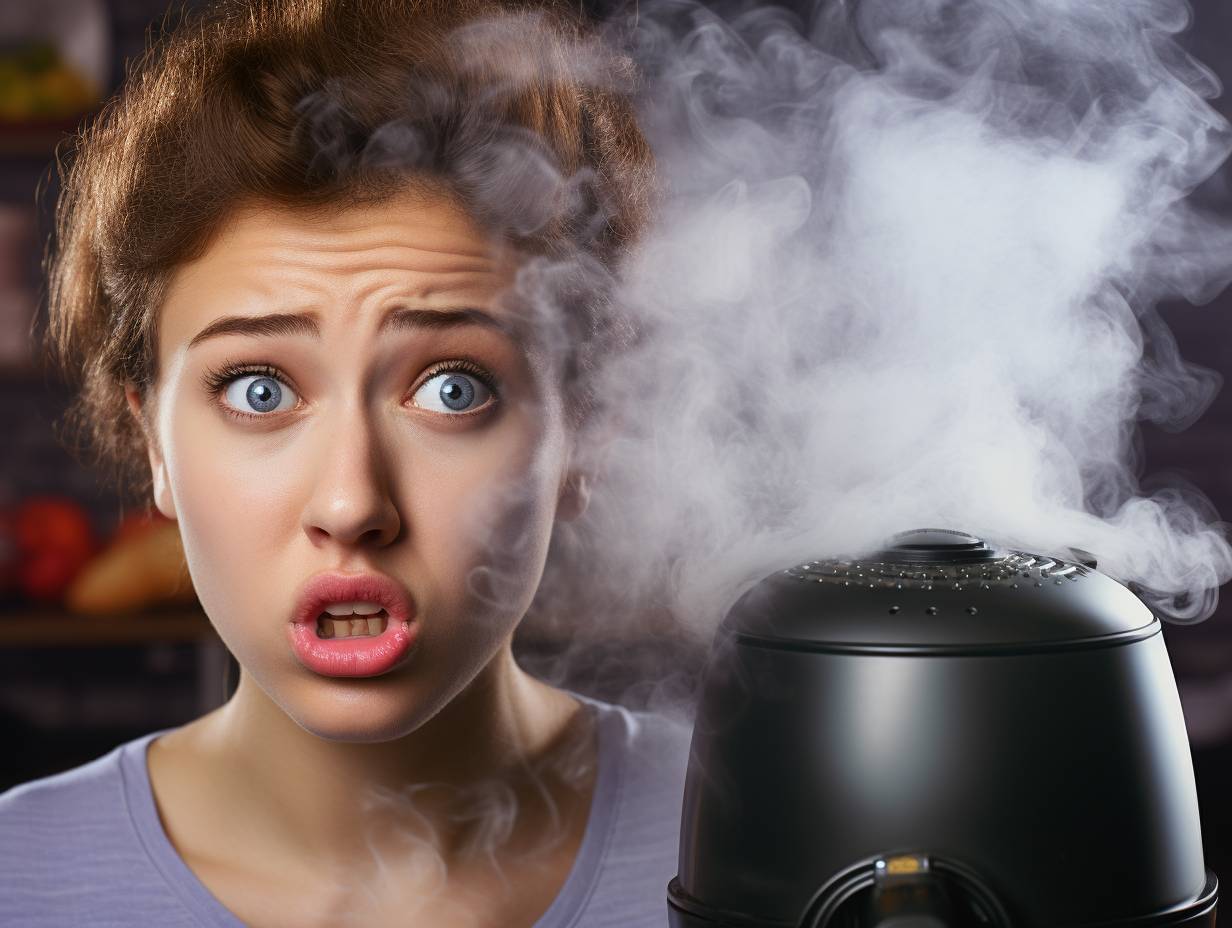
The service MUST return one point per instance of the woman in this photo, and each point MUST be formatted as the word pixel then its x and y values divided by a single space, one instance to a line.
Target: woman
pixel 336 272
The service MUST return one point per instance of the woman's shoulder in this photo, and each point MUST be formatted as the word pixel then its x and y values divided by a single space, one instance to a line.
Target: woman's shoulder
pixel 84 806
pixel 632 844
pixel 70 792
pixel 72 851
pixel 658 741
pixel 648 751
pixel 659 737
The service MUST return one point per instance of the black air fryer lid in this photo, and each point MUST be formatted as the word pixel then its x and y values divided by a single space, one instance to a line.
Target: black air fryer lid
pixel 944 591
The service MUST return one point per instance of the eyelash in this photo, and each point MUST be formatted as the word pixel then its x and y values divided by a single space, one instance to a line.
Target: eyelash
pixel 219 378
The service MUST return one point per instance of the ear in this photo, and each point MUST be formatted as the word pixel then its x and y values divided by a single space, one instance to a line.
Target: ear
pixel 578 478
pixel 163 499
pixel 574 495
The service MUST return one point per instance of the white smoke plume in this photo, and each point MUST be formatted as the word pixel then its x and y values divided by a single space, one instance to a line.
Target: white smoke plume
pixel 906 276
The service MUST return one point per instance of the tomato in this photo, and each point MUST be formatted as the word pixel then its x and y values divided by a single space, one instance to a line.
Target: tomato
pixel 10 557
pixel 54 541
pixel 45 576
pixel 53 523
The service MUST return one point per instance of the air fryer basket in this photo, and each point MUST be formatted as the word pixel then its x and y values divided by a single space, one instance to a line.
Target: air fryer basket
pixel 943 734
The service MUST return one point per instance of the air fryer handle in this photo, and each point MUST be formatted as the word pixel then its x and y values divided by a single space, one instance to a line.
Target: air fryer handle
pixel 916 901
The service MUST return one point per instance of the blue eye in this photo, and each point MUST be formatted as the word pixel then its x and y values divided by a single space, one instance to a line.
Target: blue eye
pixel 260 393
pixel 452 392
pixel 263 388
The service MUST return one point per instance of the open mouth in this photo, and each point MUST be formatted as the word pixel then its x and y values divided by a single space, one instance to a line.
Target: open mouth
pixel 352 626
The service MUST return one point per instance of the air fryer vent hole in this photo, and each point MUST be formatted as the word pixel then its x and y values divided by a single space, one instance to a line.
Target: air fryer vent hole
pixel 1002 573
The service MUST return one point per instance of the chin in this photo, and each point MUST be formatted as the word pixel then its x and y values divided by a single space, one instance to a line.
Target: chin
pixel 361 709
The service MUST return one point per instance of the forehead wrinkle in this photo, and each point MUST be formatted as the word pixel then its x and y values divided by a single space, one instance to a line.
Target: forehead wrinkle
pixel 463 247
pixel 366 232
pixel 399 258
pixel 383 292
pixel 349 264
pixel 386 238
pixel 367 293
pixel 294 285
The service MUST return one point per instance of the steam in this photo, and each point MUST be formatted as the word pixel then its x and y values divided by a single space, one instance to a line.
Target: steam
pixel 411 866
pixel 907 276
pixel 440 850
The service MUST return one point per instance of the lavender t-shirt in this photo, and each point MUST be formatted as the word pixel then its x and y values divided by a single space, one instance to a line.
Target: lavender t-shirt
pixel 86 846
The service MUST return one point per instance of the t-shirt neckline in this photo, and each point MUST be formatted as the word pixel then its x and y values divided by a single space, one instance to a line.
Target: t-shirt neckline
pixel 561 913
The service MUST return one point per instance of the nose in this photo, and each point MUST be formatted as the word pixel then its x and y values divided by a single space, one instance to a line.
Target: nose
pixel 350 503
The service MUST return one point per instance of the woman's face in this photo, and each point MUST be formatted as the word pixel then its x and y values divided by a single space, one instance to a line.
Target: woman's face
pixel 431 449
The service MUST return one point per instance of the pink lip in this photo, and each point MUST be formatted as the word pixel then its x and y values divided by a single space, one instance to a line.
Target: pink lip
pixel 352 657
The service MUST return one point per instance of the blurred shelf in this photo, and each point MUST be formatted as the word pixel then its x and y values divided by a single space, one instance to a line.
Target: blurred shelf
pixel 47 628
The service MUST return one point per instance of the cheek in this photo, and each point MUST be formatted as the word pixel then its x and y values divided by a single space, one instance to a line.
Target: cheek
pixel 234 517
pixel 488 515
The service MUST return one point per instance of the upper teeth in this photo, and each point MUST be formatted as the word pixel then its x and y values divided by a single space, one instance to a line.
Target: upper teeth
pixel 354 608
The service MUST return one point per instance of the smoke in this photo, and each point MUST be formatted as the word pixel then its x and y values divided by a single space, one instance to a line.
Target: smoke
pixel 411 867
pixel 906 275
pixel 453 853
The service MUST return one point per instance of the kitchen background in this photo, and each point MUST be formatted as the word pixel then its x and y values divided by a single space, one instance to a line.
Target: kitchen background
pixel 96 644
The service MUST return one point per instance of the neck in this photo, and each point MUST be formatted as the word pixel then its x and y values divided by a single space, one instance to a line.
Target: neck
pixel 498 765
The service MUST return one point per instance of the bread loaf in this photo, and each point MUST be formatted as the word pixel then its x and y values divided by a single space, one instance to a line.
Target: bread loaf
pixel 143 570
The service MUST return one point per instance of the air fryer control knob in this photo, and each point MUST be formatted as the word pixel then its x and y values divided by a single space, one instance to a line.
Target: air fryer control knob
pixel 936 546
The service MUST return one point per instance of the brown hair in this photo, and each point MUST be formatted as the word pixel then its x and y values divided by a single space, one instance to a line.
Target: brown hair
pixel 319 104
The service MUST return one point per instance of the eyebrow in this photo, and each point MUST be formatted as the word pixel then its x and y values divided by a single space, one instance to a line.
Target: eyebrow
pixel 398 319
